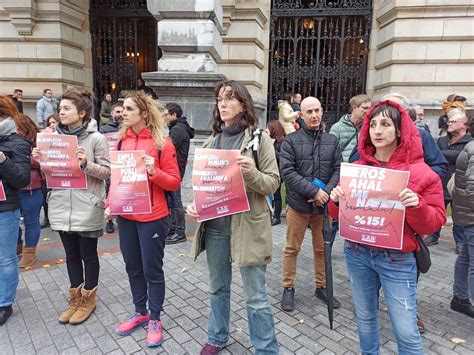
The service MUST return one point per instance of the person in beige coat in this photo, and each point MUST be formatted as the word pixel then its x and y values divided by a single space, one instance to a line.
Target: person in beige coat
pixel 242 239
pixel 78 214
pixel 286 115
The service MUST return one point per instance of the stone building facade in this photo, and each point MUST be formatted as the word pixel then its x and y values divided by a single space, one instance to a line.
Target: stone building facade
pixel 421 48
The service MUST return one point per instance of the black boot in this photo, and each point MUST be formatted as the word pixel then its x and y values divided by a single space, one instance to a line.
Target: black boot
pixel 322 294
pixel 5 313
pixel 288 299
pixel 462 306
pixel 45 223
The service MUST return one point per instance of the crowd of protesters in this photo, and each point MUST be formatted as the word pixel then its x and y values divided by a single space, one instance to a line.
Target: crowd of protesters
pixel 297 151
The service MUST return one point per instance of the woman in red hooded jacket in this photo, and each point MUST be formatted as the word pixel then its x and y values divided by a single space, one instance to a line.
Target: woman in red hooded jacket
pixel 389 139
pixel 142 236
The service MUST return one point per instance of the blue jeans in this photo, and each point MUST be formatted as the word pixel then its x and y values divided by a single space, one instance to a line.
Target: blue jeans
pixel 9 277
pixel 31 202
pixel 371 269
pixel 259 310
pixel 457 230
pixel 464 267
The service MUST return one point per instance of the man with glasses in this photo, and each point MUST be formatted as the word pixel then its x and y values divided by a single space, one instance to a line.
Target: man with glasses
pixel 451 146
pixel 420 116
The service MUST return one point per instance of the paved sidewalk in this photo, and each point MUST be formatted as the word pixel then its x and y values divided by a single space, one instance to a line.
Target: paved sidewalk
pixel 33 327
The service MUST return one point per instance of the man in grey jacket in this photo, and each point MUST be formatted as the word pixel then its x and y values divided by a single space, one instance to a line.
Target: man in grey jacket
pixel 45 107
pixel 310 160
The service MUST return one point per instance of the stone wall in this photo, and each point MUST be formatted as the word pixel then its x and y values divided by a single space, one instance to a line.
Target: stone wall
pixel 423 49
pixel 44 44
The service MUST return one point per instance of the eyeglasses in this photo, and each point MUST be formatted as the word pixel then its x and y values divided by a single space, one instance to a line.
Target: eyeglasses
pixel 226 99
pixel 452 122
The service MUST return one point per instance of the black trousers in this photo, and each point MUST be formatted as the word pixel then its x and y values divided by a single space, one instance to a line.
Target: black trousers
pixel 81 259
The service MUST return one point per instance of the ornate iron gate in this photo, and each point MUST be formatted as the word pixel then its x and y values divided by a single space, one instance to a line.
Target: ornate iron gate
pixel 320 48
pixel 123 44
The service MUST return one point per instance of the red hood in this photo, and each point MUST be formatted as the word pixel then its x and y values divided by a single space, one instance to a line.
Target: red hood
pixel 409 150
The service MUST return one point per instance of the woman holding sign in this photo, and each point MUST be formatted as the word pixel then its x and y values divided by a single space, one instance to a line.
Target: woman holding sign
pixel 243 239
pixel 77 214
pixel 389 139
pixel 142 236
pixel 14 175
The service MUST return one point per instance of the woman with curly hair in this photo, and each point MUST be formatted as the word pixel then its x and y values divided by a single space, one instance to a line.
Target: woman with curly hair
pixel 142 236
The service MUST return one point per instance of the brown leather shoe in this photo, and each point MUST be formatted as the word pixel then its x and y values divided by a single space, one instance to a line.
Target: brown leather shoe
pixel 73 302
pixel 86 306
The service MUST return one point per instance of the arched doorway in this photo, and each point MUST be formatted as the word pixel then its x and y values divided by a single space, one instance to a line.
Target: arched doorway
pixel 124 44
pixel 320 48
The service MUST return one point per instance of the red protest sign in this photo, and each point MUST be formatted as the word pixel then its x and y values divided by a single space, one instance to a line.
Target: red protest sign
pixel 58 160
pixel 218 184
pixel 3 197
pixel 371 212
pixel 129 192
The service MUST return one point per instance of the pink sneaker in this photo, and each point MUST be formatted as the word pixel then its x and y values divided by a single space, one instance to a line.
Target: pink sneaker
pixel 155 333
pixel 133 322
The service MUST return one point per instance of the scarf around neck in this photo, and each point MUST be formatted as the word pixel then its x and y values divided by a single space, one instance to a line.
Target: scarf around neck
pixel 7 127
pixel 62 129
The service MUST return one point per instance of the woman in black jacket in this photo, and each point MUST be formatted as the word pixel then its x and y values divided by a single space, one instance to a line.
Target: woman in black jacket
pixel 14 174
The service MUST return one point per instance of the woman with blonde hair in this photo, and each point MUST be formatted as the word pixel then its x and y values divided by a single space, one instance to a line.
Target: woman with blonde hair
pixel 142 236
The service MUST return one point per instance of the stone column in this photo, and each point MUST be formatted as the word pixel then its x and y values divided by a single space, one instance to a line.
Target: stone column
pixel 189 37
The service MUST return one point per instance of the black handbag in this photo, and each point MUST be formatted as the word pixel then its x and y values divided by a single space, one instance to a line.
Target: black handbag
pixel 423 258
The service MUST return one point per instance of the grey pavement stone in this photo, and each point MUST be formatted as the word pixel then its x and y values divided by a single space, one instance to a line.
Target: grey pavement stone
pixel 42 296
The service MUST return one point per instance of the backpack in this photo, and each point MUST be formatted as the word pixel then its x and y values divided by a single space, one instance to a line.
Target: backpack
pixel 170 195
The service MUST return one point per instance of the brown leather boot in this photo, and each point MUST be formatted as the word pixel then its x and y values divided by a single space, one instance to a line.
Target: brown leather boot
pixel 28 258
pixel 86 307
pixel 74 301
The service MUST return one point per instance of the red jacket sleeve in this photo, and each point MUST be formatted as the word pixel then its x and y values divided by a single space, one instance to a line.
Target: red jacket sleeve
pixel 333 210
pixel 166 174
pixel 430 214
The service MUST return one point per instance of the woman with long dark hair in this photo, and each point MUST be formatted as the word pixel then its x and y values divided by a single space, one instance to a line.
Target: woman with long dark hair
pixel 78 214
pixel 14 175
pixel 389 139
pixel 243 239
pixel 277 133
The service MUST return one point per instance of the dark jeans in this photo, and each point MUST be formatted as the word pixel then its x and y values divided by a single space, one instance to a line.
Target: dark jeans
pixel 31 202
pixel 142 245
pixel 458 233
pixel 81 250
pixel 463 287
pixel 277 203
pixel 177 221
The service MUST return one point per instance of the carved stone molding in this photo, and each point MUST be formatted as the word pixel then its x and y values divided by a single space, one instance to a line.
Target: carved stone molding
pixel 23 15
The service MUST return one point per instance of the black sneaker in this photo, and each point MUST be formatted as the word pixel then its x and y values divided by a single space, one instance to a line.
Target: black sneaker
pixel 175 239
pixel 288 299
pixel 45 223
pixel 462 306
pixel 430 240
pixel 276 221
pixel 109 228
pixel 458 248
pixel 5 313
pixel 322 294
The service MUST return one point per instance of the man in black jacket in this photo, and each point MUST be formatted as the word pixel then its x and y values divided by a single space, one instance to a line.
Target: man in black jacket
pixel 115 119
pixel 451 146
pixel 181 134
pixel 310 160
